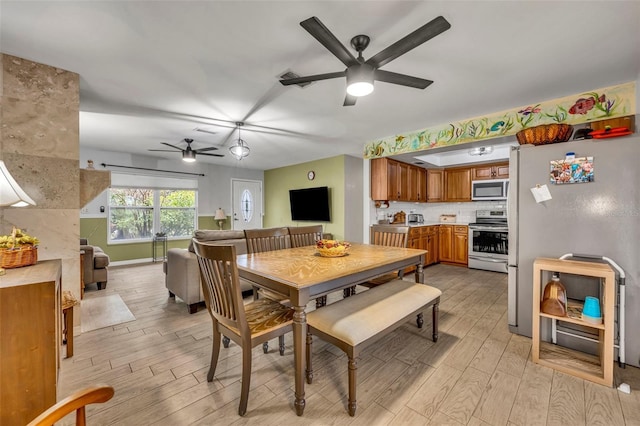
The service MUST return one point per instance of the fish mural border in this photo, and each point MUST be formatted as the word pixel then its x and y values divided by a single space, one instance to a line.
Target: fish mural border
pixel 599 104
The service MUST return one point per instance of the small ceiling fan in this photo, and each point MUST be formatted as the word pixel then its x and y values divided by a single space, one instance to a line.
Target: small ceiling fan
pixel 361 74
pixel 189 154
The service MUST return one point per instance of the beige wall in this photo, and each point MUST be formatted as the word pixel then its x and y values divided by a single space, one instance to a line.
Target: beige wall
pixel 40 146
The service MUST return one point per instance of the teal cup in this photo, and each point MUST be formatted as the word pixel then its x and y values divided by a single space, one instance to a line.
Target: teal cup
pixel 591 307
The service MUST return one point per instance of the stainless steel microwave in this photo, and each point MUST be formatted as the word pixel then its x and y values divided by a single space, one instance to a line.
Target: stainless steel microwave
pixel 493 189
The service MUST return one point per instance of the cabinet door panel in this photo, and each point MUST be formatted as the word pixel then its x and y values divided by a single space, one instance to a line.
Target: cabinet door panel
pixel 445 248
pixel 435 184
pixel 457 184
pixel 460 248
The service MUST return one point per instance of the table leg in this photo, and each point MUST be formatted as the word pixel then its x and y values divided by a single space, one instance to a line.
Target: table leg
pixel 420 273
pixel 299 355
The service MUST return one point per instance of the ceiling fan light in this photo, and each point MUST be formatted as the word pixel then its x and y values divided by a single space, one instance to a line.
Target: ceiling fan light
pixel 360 80
pixel 188 156
pixel 239 150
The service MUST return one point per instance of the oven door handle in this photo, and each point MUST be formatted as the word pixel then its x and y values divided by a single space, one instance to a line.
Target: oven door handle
pixel 488 228
pixel 488 259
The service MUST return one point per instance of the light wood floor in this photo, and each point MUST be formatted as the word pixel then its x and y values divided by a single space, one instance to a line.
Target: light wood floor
pixel 478 373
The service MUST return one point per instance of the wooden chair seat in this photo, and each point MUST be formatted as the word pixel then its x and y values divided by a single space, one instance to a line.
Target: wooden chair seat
pixel 266 315
pixel 356 322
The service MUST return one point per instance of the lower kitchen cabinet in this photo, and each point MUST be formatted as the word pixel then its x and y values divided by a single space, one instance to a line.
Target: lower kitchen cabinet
pixel 431 245
pixel 453 244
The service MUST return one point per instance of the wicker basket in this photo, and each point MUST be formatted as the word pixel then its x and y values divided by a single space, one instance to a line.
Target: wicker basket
pixel 16 258
pixel 544 134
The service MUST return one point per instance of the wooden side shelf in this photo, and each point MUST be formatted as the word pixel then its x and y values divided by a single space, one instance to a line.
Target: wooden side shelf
pixel 598 369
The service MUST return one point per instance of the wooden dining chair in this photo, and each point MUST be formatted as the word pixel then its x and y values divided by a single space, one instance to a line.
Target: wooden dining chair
pixel 259 241
pixel 390 236
pixel 74 402
pixel 247 325
pixel 303 236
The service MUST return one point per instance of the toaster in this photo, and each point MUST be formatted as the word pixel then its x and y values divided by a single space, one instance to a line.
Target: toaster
pixel 415 218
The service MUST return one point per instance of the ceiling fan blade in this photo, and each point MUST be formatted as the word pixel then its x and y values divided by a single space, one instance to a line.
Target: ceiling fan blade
pixel 172 146
pixel 310 78
pixel 211 148
pixel 401 79
pixel 162 150
pixel 210 155
pixel 328 40
pixel 405 44
pixel 349 100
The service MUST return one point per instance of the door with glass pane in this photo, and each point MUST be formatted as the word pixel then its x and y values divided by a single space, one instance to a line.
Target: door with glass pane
pixel 246 204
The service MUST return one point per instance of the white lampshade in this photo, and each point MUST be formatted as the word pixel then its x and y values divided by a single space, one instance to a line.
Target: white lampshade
pixel 220 215
pixel 10 192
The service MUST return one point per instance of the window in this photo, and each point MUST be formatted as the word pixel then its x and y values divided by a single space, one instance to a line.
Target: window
pixel 136 214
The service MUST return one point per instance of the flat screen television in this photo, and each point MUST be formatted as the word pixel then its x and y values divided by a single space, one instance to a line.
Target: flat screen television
pixel 310 204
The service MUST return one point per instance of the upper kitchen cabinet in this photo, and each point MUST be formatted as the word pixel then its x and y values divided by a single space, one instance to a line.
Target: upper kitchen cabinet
pixel 417 184
pixel 396 181
pixel 435 186
pixel 457 184
pixel 490 171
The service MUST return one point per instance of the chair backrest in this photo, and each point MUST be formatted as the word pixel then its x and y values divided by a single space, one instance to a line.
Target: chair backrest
pixel 392 236
pixel 75 402
pixel 221 285
pixel 302 236
pixel 260 240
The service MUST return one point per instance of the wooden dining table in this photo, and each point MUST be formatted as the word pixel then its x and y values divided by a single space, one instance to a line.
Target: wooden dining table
pixel 303 275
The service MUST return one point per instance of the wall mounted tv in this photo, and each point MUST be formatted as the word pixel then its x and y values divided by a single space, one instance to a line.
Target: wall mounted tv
pixel 310 204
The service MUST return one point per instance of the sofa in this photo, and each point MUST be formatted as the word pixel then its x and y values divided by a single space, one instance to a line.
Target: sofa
pixel 95 264
pixel 182 274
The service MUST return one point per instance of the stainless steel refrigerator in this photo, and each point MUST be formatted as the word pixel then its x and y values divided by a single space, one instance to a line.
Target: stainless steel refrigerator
pixel 601 217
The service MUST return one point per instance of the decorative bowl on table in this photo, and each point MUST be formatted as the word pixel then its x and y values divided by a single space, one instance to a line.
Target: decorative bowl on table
pixel 332 248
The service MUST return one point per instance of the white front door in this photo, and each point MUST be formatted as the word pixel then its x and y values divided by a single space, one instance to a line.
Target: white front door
pixel 246 204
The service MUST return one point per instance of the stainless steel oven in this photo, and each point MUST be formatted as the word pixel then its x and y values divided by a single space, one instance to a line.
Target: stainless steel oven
pixel 489 241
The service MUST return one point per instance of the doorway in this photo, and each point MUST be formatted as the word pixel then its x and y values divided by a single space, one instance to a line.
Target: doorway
pixel 246 204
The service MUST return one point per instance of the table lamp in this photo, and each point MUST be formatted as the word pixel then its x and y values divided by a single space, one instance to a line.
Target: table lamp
pixel 220 217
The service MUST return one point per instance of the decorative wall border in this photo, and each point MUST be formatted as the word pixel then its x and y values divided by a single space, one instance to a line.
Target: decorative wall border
pixel 600 104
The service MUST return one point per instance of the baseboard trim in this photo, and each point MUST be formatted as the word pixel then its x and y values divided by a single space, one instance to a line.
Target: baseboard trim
pixel 133 262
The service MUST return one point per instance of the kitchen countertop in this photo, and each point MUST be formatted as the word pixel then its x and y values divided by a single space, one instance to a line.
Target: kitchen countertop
pixel 412 225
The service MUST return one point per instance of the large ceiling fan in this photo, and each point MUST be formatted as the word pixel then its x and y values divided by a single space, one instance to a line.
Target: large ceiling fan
pixel 189 154
pixel 361 74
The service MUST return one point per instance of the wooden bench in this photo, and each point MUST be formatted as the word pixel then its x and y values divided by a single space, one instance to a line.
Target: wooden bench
pixel 354 323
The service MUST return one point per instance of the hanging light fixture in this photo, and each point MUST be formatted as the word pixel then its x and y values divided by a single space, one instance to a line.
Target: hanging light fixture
pixel 360 80
pixel 10 192
pixel 240 149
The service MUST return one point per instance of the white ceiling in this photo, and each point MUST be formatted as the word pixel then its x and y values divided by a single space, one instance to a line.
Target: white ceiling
pixel 153 71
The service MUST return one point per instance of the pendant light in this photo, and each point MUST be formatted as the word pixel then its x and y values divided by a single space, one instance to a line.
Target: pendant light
pixel 240 149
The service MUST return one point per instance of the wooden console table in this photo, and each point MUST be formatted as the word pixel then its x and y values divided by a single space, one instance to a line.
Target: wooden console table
pixel 30 326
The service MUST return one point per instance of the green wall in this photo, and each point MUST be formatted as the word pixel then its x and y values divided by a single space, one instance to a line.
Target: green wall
pixel 329 172
pixel 95 230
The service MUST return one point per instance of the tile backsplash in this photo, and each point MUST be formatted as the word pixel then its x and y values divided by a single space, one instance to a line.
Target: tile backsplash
pixel 465 212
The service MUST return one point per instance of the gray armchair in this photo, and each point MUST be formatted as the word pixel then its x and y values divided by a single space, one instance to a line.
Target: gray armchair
pixel 95 267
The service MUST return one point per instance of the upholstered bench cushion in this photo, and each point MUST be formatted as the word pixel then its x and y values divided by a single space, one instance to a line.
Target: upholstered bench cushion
pixel 360 317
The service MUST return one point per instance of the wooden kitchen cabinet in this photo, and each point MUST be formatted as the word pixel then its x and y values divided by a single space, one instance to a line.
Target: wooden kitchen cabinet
pixel 397 181
pixel 457 184
pixel 445 243
pixel 490 171
pixel 417 184
pixel 31 327
pixel 435 186
pixel 452 244
pixel 460 244
pixel 431 241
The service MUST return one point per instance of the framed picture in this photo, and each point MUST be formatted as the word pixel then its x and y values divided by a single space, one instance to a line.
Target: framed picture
pixel 576 170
